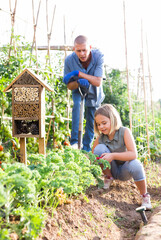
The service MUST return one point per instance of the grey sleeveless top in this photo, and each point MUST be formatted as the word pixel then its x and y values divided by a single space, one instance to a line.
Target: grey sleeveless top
pixel 117 144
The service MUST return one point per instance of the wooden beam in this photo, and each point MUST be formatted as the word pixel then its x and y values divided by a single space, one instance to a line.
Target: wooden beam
pixel 59 47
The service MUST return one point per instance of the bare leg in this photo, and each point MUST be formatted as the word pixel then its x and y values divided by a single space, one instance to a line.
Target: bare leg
pixel 141 185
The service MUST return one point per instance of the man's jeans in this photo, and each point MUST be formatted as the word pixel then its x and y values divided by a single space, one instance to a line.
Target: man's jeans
pixel 89 129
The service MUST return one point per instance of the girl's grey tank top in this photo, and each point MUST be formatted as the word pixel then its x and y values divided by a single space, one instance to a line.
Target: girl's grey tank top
pixel 117 144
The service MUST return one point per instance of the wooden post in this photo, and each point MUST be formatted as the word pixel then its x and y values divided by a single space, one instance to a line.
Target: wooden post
pixel 23 155
pixel 127 71
pixel 144 87
pixel 42 148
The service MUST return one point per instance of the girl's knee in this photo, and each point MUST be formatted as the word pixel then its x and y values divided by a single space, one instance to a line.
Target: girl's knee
pixel 101 148
pixel 135 165
pixel 136 169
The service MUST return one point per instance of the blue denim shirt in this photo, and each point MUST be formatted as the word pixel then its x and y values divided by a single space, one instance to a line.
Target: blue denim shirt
pixel 95 96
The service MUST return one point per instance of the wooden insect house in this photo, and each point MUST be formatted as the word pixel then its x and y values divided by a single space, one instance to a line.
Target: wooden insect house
pixel 28 109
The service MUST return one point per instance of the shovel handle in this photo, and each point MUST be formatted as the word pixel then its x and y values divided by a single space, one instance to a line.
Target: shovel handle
pixel 80 132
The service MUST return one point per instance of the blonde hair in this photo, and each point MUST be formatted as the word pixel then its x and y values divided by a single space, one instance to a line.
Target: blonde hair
pixel 110 112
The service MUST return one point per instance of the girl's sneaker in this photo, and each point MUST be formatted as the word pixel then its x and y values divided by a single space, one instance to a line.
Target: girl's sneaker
pixel 146 201
pixel 107 182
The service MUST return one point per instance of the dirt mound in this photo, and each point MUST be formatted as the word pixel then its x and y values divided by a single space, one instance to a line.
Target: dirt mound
pixel 100 214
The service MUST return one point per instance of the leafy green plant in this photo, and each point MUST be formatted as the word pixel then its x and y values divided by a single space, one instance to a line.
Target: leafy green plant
pixel 115 89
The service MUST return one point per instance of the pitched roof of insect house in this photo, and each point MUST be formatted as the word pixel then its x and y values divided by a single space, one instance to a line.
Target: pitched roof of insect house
pixel 28 74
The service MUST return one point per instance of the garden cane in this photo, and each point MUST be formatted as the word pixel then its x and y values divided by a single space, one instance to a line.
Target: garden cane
pixel 83 92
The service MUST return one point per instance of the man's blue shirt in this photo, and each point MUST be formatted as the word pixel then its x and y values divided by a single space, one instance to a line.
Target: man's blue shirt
pixel 95 68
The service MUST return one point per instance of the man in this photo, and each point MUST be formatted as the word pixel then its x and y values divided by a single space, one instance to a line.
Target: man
pixel 84 68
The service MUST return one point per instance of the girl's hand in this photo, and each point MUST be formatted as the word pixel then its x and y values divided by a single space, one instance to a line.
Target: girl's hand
pixel 107 156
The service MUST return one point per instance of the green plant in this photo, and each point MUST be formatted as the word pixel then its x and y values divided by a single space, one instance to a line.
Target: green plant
pixel 115 89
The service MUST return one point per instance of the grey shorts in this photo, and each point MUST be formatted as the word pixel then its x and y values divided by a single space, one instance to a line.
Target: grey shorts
pixel 129 169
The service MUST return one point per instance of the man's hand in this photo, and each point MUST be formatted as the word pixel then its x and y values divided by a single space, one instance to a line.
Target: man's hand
pixel 70 75
pixel 83 82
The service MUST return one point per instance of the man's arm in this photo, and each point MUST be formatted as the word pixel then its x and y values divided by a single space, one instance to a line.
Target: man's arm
pixel 95 81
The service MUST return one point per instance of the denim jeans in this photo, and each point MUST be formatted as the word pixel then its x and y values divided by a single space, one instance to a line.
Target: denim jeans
pixel 130 169
pixel 89 129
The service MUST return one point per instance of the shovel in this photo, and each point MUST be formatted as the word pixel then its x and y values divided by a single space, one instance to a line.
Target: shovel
pixel 141 210
pixel 83 92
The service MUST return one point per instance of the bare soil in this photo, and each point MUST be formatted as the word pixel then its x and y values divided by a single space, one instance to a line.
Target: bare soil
pixel 103 214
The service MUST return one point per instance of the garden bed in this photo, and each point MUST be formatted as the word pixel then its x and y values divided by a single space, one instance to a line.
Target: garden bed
pixel 106 214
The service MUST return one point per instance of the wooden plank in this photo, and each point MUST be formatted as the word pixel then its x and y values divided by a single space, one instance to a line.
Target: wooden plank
pixel 26 136
pixel 23 155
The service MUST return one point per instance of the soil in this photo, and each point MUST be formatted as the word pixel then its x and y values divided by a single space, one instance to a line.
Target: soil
pixel 102 214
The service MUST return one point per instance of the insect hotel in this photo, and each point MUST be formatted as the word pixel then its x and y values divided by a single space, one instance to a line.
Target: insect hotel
pixel 28 109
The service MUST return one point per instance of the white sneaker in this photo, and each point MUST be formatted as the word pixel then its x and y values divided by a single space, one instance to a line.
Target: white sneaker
pixel 146 201
pixel 75 146
pixel 107 182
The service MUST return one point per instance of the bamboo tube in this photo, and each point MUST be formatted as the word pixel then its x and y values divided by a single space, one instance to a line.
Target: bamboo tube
pixel 127 70
pixel 144 88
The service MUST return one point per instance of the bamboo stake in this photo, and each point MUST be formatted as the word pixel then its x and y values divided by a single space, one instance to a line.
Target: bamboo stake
pixel 127 70
pixel 13 13
pixel 68 93
pixel 47 138
pixel 108 78
pixel 144 87
pixel 138 83
pixel 49 33
pixel 35 27
pixel 150 82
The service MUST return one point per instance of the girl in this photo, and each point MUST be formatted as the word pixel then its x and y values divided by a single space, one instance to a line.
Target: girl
pixel 115 144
